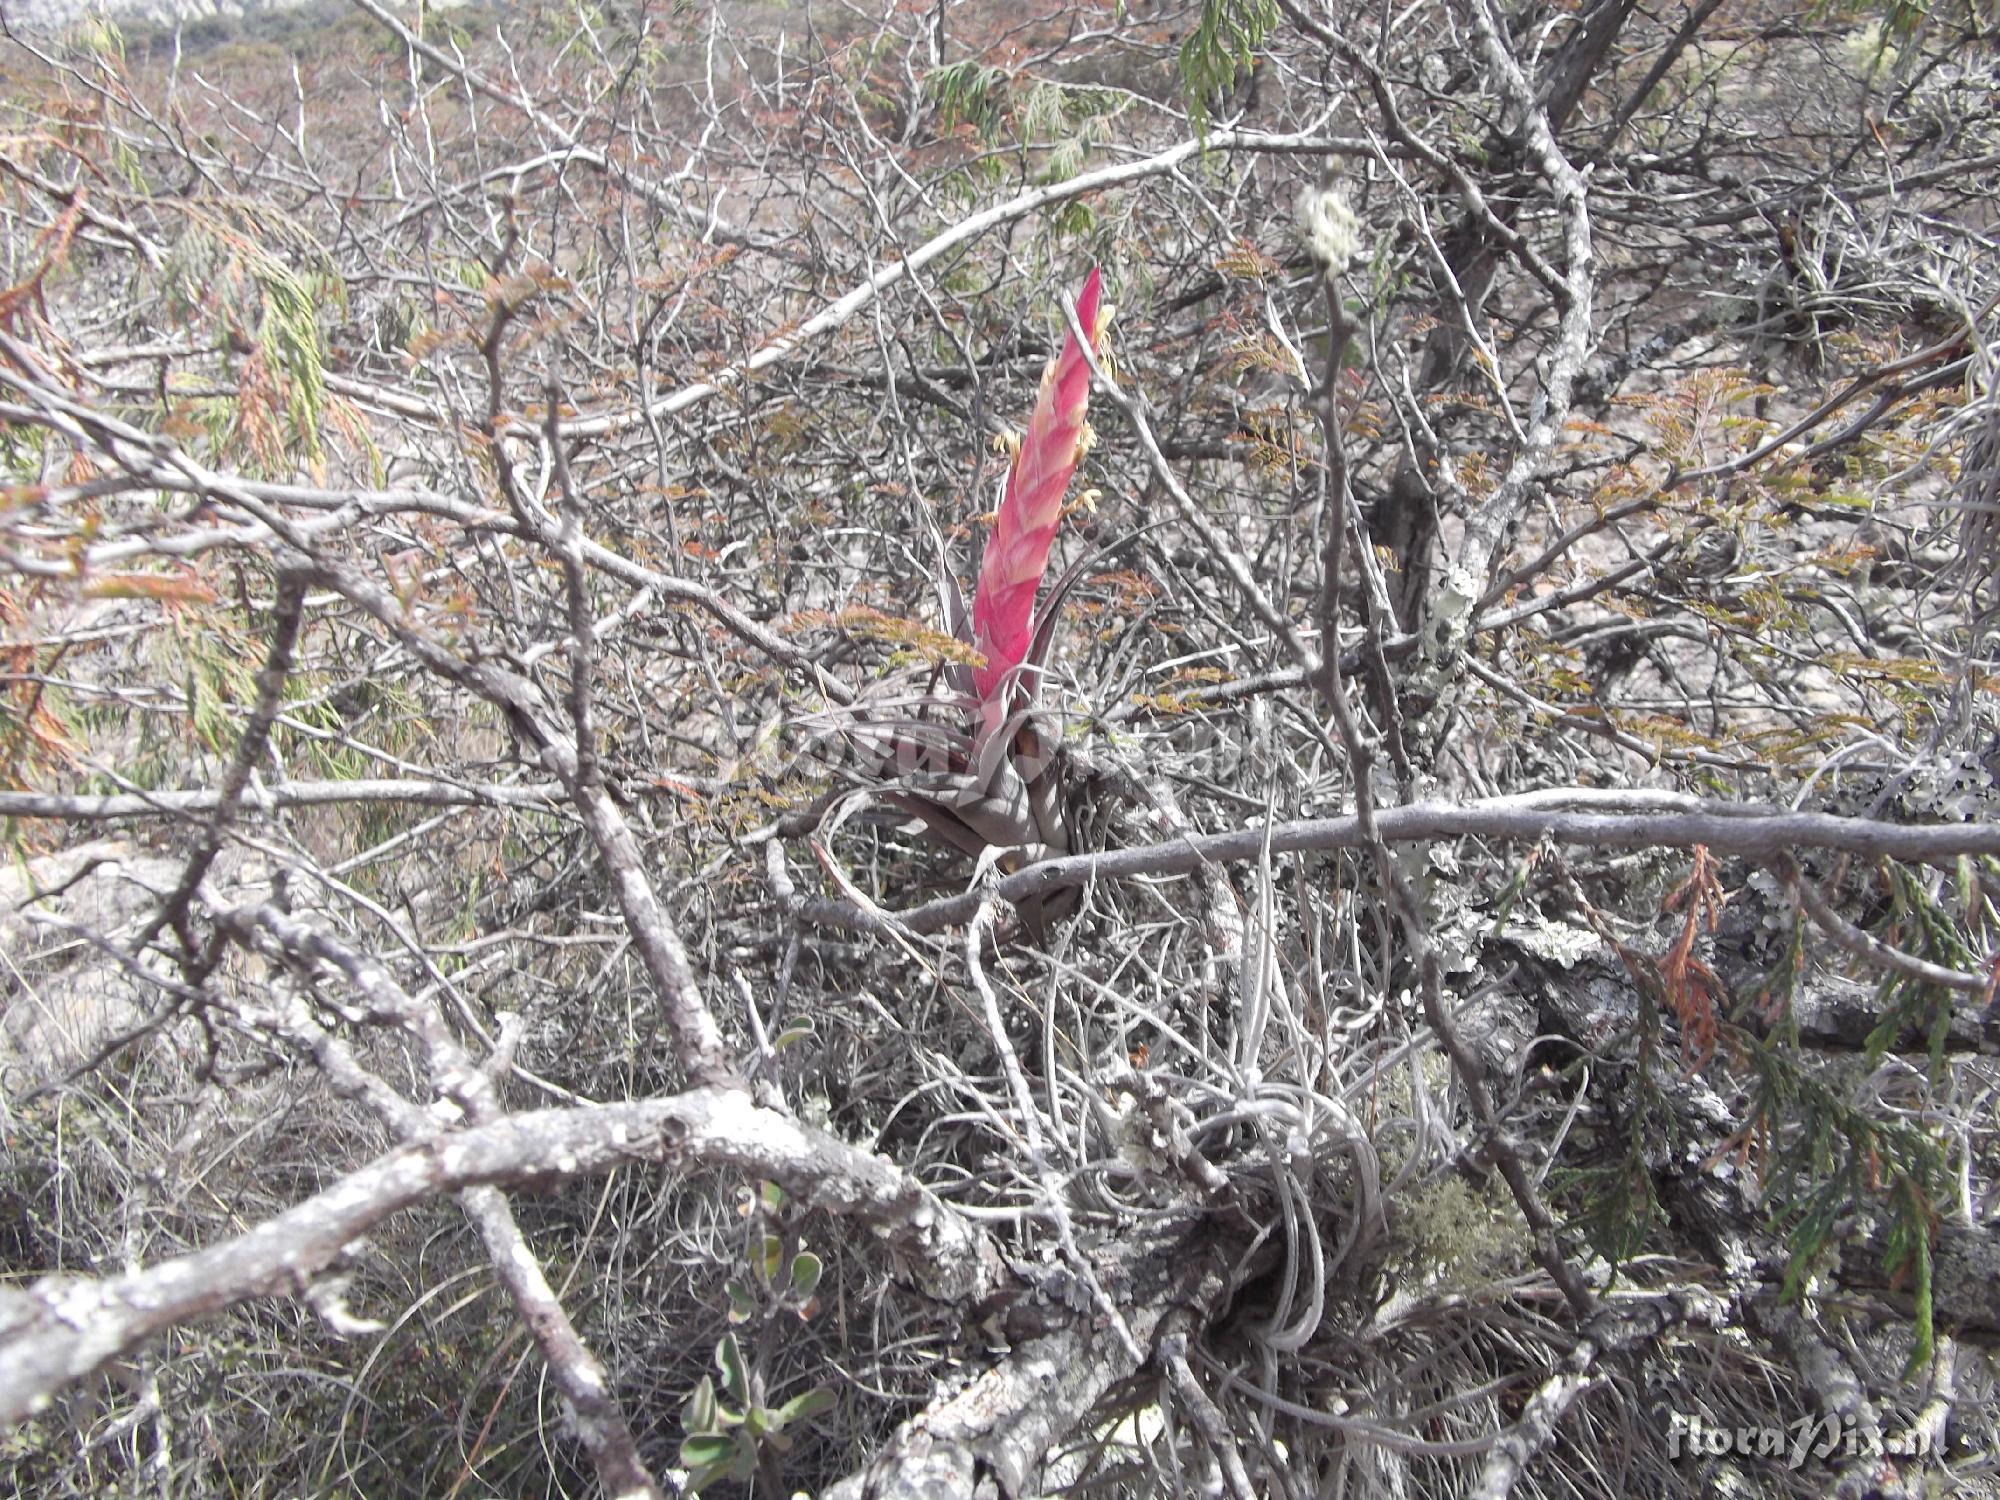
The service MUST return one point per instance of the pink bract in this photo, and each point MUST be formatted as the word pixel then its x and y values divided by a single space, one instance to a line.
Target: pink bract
pixel 1017 553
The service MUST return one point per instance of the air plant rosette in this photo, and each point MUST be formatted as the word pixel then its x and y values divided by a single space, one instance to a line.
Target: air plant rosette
pixel 977 765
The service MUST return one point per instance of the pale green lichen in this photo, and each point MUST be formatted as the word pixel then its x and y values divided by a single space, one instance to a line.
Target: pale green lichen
pixel 1556 942
pixel 1454 1237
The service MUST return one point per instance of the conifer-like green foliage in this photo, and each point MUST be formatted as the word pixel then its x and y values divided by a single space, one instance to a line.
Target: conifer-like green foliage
pixel 1223 43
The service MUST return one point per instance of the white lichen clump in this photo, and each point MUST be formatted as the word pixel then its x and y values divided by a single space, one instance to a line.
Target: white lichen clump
pixel 1332 228
pixel 1872 49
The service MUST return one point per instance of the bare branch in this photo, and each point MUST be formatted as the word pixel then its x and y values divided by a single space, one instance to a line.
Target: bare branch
pixel 63 1328
pixel 1591 818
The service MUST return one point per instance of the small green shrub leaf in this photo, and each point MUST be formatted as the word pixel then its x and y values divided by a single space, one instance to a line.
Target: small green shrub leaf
pixel 806 1271
pixel 698 1411
pixel 742 1306
pixel 768 1257
pixel 708 1450
pixel 729 1360
pixel 806 1405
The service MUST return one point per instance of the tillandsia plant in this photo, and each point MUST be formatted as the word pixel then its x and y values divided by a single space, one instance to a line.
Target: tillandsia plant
pixel 989 778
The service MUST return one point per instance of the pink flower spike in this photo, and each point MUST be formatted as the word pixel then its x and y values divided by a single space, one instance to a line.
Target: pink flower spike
pixel 1017 553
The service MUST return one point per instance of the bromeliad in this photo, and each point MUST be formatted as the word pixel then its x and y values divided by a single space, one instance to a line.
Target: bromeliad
pixel 990 779
pixel 1004 624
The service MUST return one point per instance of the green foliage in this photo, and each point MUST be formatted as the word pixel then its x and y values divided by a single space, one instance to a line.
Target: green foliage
pixel 99 35
pixel 1824 1156
pixel 397 720
pixel 1055 125
pixel 261 286
pixel 1621 1207
pixel 1074 220
pixel 1887 22
pixel 733 1430
pixel 213 663
pixel 1619 1202
pixel 1921 925
pixel 1224 41
pixel 968 93
pixel 21 450
pixel 1828 1162
pixel 1778 989
pixel 1912 1225
pixel 289 335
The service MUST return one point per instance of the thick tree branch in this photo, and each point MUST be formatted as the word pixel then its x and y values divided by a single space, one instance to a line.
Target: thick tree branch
pixel 1588 817
pixel 63 1328
pixel 576 1370
pixel 997 1429
pixel 257 797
